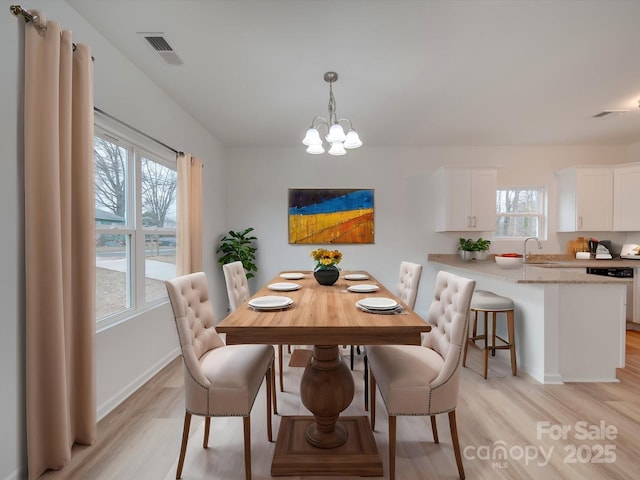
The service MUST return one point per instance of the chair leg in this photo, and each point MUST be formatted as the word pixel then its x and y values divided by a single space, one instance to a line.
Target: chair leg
pixel 280 350
pixel 485 352
pixel 274 397
pixel 366 383
pixel 207 427
pixel 392 447
pixel 485 368
pixel 434 429
pixel 246 422
pixel 269 382
pixel 183 447
pixel 512 341
pixel 352 355
pixel 467 340
pixel 493 334
pixel 456 445
pixel 372 396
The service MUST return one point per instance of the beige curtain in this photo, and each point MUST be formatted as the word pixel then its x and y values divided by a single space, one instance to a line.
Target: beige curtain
pixel 189 254
pixel 59 246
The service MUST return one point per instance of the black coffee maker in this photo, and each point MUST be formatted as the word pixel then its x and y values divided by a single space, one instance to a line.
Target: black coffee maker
pixel 601 250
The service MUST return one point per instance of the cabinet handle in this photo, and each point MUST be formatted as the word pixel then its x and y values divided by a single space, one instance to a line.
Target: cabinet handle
pixel 474 222
pixel 580 222
pixel 468 221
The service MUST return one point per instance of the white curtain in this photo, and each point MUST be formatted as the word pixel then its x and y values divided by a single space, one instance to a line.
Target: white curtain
pixel 59 246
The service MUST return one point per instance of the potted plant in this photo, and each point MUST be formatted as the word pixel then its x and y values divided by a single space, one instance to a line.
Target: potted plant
pixel 481 249
pixel 238 246
pixel 466 247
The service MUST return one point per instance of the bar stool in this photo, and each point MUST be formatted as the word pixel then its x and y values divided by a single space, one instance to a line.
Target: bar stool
pixel 487 303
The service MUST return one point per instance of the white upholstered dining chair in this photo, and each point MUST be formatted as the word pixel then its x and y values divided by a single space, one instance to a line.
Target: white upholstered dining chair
pixel 407 291
pixel 235 278
pixel 238 292
pixel 424 379
pixel 219 380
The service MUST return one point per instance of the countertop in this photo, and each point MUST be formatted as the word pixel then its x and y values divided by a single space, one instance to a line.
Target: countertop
pixel 542 269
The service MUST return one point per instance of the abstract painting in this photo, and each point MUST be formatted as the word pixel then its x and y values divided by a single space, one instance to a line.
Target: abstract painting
pixel 332 215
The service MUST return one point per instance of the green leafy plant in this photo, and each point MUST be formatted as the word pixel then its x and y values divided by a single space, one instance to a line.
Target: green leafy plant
pixel 481 245
pixel 466 244
pixel 238 246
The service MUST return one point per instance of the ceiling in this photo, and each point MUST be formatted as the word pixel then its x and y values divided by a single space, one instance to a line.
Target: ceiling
pixel 411 73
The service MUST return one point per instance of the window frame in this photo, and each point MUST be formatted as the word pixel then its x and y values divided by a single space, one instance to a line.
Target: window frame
pixel 138 147
pixel 541 215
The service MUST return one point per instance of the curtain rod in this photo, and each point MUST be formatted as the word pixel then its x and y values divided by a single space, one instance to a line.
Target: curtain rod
pixel 18 10
pixel 149 137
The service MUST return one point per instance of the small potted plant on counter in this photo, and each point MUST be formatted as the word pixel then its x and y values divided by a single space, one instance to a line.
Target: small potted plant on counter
pixel 481 249
pixel 466 247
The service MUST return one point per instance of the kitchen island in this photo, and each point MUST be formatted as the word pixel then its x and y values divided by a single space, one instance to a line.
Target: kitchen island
pixel 570 325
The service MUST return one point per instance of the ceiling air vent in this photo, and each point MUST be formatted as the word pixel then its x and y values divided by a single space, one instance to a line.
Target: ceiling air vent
pixel 159 43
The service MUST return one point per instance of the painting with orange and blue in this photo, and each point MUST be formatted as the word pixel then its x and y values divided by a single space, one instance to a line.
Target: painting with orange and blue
pixel 331 215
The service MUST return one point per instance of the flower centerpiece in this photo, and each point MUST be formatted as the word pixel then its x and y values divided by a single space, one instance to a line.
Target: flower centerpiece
pixel 326 271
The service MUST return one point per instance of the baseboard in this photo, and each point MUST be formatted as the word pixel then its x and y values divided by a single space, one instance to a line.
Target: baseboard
pixel 106 408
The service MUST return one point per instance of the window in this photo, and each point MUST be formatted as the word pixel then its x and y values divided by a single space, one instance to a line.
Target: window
pixel 135 218
pixel 520 213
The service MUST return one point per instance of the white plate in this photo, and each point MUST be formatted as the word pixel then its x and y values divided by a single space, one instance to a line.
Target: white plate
pixel 356 276
pixel 378 303
pixel 292 275
pixel 283 287
pixel 270 302
pixel 363 288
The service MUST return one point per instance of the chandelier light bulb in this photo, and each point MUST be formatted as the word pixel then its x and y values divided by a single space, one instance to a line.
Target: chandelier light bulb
pixel 315 149
pixel 312 137
pixel 336 134
pixel 337 148
pixel 352 140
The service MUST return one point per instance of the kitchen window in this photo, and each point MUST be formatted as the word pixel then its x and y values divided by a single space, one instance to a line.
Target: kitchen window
pixel 520 213
pixel 135 222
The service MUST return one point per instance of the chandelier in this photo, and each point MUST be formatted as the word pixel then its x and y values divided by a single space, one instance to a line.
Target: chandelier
pixel 336 137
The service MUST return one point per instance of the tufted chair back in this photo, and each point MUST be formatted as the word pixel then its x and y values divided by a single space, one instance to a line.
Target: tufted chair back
pixel 194 318
pixel 237 284
pixel 408 282
pixel 448 317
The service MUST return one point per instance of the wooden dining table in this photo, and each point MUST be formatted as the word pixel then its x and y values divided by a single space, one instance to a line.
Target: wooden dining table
pixel 325 317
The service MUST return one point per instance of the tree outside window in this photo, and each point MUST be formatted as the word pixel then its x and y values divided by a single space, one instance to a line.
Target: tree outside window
pixel 520 212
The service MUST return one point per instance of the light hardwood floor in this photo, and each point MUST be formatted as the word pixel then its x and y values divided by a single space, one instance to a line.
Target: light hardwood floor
pixel 513 415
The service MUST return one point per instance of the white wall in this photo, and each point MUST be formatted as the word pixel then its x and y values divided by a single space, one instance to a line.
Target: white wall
pixel 404 204
pixel 131 352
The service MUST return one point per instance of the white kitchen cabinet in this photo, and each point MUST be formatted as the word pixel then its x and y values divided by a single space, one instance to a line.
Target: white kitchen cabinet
pixel 466 199
pixel 626 197
pixel 585 199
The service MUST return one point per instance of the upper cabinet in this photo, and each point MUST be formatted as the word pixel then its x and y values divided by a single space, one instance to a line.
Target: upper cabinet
pixel 626 197
pixel 466 199
pixel 585 199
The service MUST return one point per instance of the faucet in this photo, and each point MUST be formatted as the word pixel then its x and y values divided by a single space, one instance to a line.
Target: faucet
pixel 526 255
